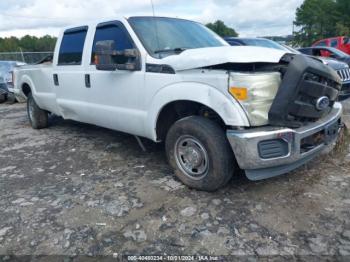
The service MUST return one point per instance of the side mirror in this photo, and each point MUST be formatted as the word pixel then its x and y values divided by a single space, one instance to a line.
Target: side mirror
pixel 109 59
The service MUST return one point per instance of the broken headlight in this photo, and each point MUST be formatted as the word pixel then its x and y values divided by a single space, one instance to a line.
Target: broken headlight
pixel 255 92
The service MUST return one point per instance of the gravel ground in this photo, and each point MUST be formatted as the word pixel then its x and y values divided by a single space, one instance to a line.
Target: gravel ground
pixel 76 189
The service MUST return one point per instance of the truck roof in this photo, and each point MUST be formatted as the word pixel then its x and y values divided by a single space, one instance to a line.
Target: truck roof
pixel 95 22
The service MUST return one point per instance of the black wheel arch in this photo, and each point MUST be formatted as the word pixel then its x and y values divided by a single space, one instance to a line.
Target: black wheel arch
pixel 176 110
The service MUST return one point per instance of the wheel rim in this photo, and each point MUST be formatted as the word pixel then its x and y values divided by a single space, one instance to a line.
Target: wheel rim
pixel 191 157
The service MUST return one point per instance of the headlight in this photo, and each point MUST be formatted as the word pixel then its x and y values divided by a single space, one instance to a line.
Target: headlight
pixel 255 92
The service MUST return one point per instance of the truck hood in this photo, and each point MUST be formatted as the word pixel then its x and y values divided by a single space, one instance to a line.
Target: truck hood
pixel 210 56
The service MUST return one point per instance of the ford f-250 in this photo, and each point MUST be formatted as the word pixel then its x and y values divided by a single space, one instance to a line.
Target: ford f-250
pixel 218 108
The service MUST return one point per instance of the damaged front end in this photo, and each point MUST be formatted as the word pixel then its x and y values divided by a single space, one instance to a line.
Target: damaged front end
pixel 307 93
pixel 294 92
pixel 302 116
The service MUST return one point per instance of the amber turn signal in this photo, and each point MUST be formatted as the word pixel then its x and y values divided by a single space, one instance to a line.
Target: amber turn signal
pixel 240 93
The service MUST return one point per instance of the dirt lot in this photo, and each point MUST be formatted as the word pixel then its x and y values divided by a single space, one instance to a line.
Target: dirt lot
pixel 79 189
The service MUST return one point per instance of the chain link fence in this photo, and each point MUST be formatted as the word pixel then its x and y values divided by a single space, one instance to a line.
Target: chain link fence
pixel 27 57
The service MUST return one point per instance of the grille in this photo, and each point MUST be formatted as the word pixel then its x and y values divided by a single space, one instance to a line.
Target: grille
pixel 304 83
pixel 311 88
pixel 344 74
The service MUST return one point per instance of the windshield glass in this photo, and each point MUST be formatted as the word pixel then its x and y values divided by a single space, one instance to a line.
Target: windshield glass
pixel 169 36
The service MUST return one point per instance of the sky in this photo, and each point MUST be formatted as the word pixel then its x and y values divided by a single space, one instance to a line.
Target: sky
pixel 248 17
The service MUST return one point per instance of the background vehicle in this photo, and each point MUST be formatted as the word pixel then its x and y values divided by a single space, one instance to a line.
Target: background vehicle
pixel 341 43
pixel 6 85
pixel 340 67
pixel 326 52
pixel 263 42
pixel 217 107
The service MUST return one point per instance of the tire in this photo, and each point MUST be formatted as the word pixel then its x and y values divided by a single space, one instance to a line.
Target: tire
pixel 38 118
pixel 198 150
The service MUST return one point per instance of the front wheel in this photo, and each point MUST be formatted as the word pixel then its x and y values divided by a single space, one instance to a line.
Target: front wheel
pixel 38 118
pixel 199 151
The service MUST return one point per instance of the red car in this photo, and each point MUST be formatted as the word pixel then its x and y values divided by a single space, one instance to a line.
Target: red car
pixel 342 43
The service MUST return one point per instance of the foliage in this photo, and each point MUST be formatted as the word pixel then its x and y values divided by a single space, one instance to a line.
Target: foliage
pixel 221 29
pixel 27 44
pixel 318 19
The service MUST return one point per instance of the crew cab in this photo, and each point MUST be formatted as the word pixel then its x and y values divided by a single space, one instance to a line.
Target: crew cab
pixel 217 108
pixel 341 42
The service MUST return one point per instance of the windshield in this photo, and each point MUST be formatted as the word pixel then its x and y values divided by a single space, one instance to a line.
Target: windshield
pixel 169 36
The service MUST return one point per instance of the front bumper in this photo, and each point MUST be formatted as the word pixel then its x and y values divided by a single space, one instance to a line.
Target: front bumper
pixel 246 145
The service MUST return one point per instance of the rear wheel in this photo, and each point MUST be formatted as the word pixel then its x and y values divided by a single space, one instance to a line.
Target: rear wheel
pixel 198 150
pixel 38 118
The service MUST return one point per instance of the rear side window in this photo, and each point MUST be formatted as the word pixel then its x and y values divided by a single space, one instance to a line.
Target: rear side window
pixel 112 31
pixel 72 46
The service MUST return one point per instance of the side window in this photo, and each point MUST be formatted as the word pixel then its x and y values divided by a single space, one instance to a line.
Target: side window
pixel 334 43
pixel 72 46
pixel 115 32
pixel 308 51
pixel 346 40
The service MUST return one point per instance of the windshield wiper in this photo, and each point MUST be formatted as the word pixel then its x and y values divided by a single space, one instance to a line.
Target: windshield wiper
pixel 177 50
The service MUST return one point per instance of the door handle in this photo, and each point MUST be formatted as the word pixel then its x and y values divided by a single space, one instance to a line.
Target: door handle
pixel 55 80
pixel 87 81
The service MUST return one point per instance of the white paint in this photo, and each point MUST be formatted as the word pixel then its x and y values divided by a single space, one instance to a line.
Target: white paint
pixel 132 101
pixel 202 57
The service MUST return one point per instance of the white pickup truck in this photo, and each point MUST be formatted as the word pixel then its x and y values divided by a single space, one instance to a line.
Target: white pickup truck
pixel 218 108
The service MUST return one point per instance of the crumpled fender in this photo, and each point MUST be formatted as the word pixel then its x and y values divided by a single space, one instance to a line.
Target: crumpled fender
pixel 227 108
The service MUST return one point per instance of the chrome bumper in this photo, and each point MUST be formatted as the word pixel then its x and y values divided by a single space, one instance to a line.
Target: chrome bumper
pixel 245 145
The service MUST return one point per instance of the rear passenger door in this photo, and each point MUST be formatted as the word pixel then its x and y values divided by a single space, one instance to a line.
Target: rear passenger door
pixel 113 96
pixel 68 75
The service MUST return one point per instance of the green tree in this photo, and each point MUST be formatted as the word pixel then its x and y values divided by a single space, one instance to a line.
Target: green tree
pixel 221 29
pixel 316 19
pixel 343 24
pixel 27 44
pixel 319 19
